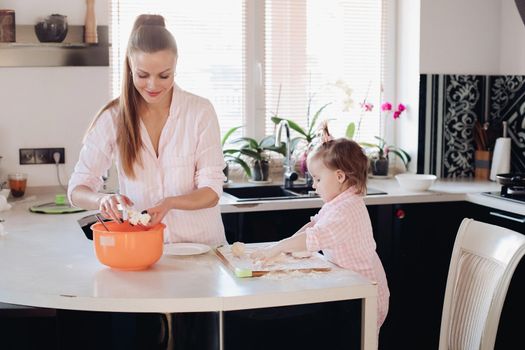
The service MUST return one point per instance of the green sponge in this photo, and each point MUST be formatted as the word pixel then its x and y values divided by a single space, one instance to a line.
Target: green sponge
pixel 60 199
pixel 239 272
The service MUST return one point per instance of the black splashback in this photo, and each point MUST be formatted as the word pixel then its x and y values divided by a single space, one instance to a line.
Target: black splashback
pixel 449 106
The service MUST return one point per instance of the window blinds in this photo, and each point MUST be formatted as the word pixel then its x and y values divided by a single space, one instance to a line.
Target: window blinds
pixel 315 47
pixel 307 47
pixel 210 40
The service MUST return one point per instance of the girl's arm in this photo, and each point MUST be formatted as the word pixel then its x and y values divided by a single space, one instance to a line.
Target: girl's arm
pixel 295 243
pixel 302 229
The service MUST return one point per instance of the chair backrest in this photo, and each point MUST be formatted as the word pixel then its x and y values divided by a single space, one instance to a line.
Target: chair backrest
pixel 481 267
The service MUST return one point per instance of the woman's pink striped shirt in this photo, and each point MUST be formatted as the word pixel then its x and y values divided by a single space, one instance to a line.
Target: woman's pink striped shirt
pixel 190 157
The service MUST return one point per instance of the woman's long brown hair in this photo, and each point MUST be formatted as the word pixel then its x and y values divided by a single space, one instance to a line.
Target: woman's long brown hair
pixel 149 35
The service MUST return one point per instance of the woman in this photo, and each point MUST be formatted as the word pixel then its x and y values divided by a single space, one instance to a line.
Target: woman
pixel 165 143
pixel 166 146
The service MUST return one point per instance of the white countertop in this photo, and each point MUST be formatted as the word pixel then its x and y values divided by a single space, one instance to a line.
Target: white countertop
pixel 443 190
pixel 48 262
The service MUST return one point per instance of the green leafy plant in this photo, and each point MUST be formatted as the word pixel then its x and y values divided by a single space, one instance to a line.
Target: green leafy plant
pixel 306 134
pixel 382 150
pixel 232 155
pixel 257 151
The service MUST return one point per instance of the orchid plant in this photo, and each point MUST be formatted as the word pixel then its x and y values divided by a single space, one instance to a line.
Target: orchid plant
pixel 381 149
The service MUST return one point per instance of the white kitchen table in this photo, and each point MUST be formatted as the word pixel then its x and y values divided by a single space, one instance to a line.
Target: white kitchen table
pixel 46 261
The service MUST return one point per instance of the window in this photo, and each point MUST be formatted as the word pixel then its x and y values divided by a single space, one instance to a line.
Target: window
pixel 253 58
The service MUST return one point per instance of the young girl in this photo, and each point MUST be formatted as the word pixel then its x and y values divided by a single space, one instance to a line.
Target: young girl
pixel 342 228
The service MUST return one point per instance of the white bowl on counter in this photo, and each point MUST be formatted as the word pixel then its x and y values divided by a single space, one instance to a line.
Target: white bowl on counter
pixel 415 182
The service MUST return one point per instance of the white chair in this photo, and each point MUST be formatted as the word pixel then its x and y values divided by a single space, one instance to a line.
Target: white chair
pixel 481 267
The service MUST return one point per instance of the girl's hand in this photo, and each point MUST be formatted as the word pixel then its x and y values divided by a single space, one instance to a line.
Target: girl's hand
pixel 108 206
pixel 158 212
pixel 266 254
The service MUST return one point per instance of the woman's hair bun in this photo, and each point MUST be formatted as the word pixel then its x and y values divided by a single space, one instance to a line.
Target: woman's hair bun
pixel 149 20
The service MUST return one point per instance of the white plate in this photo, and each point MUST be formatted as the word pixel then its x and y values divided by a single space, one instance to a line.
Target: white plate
pixel 186 249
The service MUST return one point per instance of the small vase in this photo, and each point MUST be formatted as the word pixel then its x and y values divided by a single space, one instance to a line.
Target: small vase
pixel 379 166
pixel 260 170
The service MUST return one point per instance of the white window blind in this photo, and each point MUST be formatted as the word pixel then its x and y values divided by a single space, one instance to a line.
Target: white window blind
pixel 312 44
pixel 210 39
pixel 307 46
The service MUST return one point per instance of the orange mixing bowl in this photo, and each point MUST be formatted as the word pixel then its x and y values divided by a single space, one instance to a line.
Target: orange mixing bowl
pixel 128 247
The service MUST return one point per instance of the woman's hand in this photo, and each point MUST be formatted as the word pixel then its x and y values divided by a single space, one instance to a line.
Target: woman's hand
pixel 108 206
pixel 159 211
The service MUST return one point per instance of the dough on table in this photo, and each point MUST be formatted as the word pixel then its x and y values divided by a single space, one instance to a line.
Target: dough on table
pixel 302 255
pixel 238 249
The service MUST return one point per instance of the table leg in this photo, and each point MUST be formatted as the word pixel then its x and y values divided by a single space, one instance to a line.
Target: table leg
pixel 221 330
pixel 369 323
pixel 169 330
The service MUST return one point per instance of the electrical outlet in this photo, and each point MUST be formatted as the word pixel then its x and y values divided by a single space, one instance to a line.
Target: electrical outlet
pixel 40 155
pixel 27 156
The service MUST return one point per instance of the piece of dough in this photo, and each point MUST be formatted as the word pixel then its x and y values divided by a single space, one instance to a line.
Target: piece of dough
pixel 136 217
pixel 238 249
pixel 302 255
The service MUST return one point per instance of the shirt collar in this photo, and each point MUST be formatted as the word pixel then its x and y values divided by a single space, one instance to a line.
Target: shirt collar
pixel 348 193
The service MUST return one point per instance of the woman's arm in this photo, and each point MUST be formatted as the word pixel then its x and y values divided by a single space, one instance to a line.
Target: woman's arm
pixel 199 199
pixel 83 197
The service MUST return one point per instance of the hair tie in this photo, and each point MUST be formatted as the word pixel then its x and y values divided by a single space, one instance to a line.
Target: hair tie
pixel 327 138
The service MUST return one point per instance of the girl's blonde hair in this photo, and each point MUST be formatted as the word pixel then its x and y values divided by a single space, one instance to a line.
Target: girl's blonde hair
pixel 345 155
pixel 149 35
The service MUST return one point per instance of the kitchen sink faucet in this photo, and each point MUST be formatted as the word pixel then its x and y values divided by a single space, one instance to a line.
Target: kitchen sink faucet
pixel 289 175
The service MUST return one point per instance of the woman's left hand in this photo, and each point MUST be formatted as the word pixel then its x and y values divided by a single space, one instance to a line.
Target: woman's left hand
pixel 158 212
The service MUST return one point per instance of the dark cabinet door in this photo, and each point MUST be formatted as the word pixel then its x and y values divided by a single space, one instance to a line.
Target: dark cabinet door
pixel 415 244
pixel 264 226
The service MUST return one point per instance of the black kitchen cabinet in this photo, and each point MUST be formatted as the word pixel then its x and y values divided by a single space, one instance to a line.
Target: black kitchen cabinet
pixel 264 226
pixel 414 242
pixel 511 322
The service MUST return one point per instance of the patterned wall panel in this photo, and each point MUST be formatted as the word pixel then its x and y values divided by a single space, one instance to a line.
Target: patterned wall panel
pixel 449 106
pixel 507 103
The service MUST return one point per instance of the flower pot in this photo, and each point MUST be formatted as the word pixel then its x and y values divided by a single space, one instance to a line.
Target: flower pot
pixel 226 172
pixel 260 170
pixel 379 166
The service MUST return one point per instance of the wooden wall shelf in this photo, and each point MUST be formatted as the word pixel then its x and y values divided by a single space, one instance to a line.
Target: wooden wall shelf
pixel 27 51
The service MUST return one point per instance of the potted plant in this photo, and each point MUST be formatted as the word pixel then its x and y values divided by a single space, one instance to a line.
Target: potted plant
pixel 232 155
pixel 258 152
pixel 378 155
pixel 306 136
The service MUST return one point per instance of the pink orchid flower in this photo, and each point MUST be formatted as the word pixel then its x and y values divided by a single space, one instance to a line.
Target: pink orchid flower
pixel 367 106
pixel 386 106
pixel 401 107
pixel 397 114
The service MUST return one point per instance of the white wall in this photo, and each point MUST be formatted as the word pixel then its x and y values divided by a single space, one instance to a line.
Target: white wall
pixel 484 37
pixel 407 73
pixel 512 40
pixel 460 36
pixel 48 106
